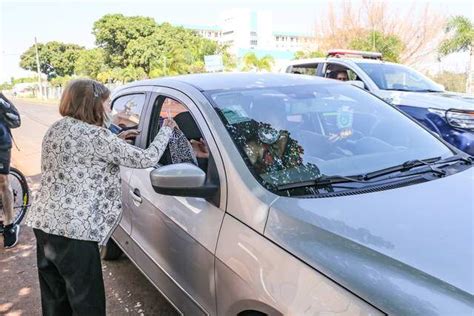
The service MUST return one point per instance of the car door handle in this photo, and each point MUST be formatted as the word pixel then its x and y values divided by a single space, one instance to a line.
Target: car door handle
pixel 136 196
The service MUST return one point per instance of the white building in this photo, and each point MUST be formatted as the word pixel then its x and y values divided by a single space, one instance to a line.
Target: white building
pixel 246 31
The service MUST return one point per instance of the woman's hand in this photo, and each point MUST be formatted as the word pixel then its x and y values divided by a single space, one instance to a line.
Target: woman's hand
pixel 129 135
pixel 169 122
pixel 200 148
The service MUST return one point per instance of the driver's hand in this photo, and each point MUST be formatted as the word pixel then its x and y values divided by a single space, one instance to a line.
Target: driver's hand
pixel 129 135
pixel 200 148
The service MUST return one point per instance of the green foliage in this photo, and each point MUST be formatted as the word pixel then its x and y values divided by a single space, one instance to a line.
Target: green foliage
pixel 170 51
pixel 90 63
pixel 462 36
pixel 122 75
pixel 24 79
pixel 252 62
pixel 6 86
pixel 390 46
pixel 452 81
pixel 158 50
pixel 130 48
pixel 61 56
pixel 113 33
pixel 60 81
pixel 309 54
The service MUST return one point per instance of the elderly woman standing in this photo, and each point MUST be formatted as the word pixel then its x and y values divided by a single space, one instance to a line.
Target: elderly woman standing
pixel 79 202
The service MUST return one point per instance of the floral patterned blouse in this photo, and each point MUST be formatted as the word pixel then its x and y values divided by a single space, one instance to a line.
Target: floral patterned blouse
pixel 80 193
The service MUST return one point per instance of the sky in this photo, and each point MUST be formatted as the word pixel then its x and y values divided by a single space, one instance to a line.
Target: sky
pixel 71 21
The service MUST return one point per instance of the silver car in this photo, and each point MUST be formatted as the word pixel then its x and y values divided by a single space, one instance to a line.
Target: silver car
pixel 298 196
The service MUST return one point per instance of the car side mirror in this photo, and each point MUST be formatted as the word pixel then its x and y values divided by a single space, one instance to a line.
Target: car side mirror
pixel 356 83
pixel 182 179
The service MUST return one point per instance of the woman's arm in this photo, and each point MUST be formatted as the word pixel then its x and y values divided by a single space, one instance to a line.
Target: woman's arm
pixel 109 147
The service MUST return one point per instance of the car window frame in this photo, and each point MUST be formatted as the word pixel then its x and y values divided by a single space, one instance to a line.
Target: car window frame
pixel 302 65
pixel 157 91
pixel 130 91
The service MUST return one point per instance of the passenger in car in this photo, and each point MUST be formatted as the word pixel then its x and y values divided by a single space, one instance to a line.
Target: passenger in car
pixel 339 75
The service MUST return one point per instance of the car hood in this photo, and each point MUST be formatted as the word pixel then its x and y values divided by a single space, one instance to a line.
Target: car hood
pixel 410 246
pixel 436 100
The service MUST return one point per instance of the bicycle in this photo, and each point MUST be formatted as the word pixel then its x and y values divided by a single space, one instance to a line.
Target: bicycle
pixel 21 197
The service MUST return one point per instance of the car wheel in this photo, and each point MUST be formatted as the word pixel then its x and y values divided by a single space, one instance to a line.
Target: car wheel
pixel 110 251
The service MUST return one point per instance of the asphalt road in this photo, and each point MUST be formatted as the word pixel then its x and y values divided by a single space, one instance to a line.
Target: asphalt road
pixel 128 292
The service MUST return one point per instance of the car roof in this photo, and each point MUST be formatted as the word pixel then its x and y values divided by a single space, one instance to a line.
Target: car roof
pixel 233 81
pixel 336 59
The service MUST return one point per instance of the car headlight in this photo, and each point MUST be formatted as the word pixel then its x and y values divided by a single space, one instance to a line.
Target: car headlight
pixel 457 118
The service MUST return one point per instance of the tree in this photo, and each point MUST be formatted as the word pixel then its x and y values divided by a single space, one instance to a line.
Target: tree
pixel 417 26
pixel 389 45
pixel 52 55
pixel 158 50
pixel 170 50
pixel 252 62
pixel 309 54
pixel 90 63
pixel 461 39
pixel 60 81
pixel 113 33
pixel 451 81
pixel 23 79
pixel 6 86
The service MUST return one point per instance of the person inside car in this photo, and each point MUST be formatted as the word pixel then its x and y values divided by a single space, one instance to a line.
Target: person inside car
pixel 338 75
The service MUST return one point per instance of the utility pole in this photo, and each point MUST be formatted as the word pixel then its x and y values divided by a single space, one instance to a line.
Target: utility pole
pixel 40 85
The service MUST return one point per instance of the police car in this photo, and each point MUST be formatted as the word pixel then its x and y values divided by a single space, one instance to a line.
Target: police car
pixel 448 114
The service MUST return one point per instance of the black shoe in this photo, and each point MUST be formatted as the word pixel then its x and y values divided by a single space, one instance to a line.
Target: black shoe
pixel 10 235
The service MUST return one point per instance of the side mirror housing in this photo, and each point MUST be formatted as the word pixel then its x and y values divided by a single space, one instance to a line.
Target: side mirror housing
pixel 183 179
pixel 356 83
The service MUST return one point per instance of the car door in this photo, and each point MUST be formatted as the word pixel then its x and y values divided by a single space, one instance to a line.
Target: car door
pixel 176 237
pixel 127 108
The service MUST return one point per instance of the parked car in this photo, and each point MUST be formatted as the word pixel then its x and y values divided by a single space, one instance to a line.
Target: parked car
pixel 315 197
pixel 448 114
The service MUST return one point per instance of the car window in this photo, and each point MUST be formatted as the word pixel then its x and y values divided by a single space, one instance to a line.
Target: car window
pixel 305 69
pixel 332 71
pixel 297 134
pixel 127 109
pixel 188 146
pixel 398 77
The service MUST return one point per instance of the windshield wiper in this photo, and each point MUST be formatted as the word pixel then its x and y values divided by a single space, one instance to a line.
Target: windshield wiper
pixel 322 181
pixel 400 89
pixel 466 159
pixel 427 90
pixel 407 165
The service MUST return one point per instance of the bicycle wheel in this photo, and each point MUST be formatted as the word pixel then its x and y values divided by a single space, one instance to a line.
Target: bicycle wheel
pixel 21 197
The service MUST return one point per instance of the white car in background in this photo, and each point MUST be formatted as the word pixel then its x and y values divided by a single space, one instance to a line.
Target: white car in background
pixel 449 115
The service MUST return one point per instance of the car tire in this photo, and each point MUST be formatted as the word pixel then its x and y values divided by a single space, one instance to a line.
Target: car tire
pixel 110 251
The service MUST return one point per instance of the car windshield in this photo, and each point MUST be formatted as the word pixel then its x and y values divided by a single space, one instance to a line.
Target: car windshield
pixel 299 133
pixel 398 77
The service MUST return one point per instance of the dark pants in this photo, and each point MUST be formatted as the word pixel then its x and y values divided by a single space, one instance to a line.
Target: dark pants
pixel 70 276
